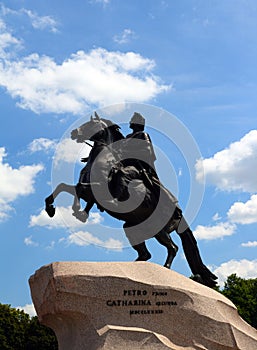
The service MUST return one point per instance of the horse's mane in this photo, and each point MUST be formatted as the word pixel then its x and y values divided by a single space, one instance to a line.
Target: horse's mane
pixel 114 128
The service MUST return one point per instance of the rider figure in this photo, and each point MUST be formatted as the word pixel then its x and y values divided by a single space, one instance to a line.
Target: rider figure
pixel 138 151
pixel 140 154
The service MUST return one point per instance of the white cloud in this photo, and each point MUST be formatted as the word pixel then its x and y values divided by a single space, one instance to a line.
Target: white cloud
pixel 28 309
pixel 124 37
pixel 15 182
pixel 99 77
pixel 216 217
pixel 28 241
pixel 42 144
pixel 243 268
pixel 37 21
pixel 5 209
pixel 41 22
pixel 244 213
pixel 63 219
pixel 7 41
pixel 6 10
pixel 82 238
pixel 103 2
pixel 51 245
pixel 213 232
pixel 249 244
pixel 233 168
pixel 70 151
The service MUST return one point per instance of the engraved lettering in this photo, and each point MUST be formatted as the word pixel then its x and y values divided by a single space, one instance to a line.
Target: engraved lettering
pixel 164 303
pixel 145 312
pixel 125 302
pixel 134 292
pixel 155 293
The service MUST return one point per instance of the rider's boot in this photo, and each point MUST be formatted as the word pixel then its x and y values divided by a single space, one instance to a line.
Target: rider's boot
pixel 194 259
pixel 164 238
pixel 143 252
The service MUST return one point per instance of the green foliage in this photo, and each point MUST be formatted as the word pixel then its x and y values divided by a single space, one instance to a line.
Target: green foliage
pixel 243 293
pixel 20 332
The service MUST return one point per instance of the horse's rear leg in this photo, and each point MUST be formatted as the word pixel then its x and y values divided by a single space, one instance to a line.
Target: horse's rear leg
pixel 164 238
pixel 143 252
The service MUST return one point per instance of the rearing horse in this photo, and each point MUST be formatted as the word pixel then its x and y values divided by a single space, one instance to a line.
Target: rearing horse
pixel 148 210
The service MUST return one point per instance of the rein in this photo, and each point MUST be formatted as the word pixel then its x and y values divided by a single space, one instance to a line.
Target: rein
pixel 114 153
pixel 89 144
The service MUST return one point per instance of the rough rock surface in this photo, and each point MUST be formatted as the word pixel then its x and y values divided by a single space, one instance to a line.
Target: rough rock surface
pixel 132 306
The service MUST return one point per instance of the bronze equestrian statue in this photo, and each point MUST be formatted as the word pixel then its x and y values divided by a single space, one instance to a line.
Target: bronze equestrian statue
pixel 120 178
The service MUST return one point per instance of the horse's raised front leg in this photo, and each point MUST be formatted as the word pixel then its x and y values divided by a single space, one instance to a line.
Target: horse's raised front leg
pixel 82 191
pixel 82 215
pixel 62 187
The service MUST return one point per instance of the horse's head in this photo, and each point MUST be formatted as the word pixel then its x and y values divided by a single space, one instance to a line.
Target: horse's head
pixel 96 129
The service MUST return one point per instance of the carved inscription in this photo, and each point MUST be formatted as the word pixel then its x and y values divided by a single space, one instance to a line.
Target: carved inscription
pixel 143 302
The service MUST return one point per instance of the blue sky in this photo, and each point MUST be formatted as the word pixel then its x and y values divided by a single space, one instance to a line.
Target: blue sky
pixel 192 63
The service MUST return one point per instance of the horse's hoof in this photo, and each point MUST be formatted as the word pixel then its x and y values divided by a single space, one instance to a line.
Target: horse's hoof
pixel 144 257
pixel 168 266
pixel 81 215
pixel 50 209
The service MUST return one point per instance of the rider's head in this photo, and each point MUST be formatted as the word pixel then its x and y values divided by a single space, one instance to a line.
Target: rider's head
pixel 137 122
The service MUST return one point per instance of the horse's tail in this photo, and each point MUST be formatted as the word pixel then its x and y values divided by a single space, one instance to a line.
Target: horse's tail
pixel 194 259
